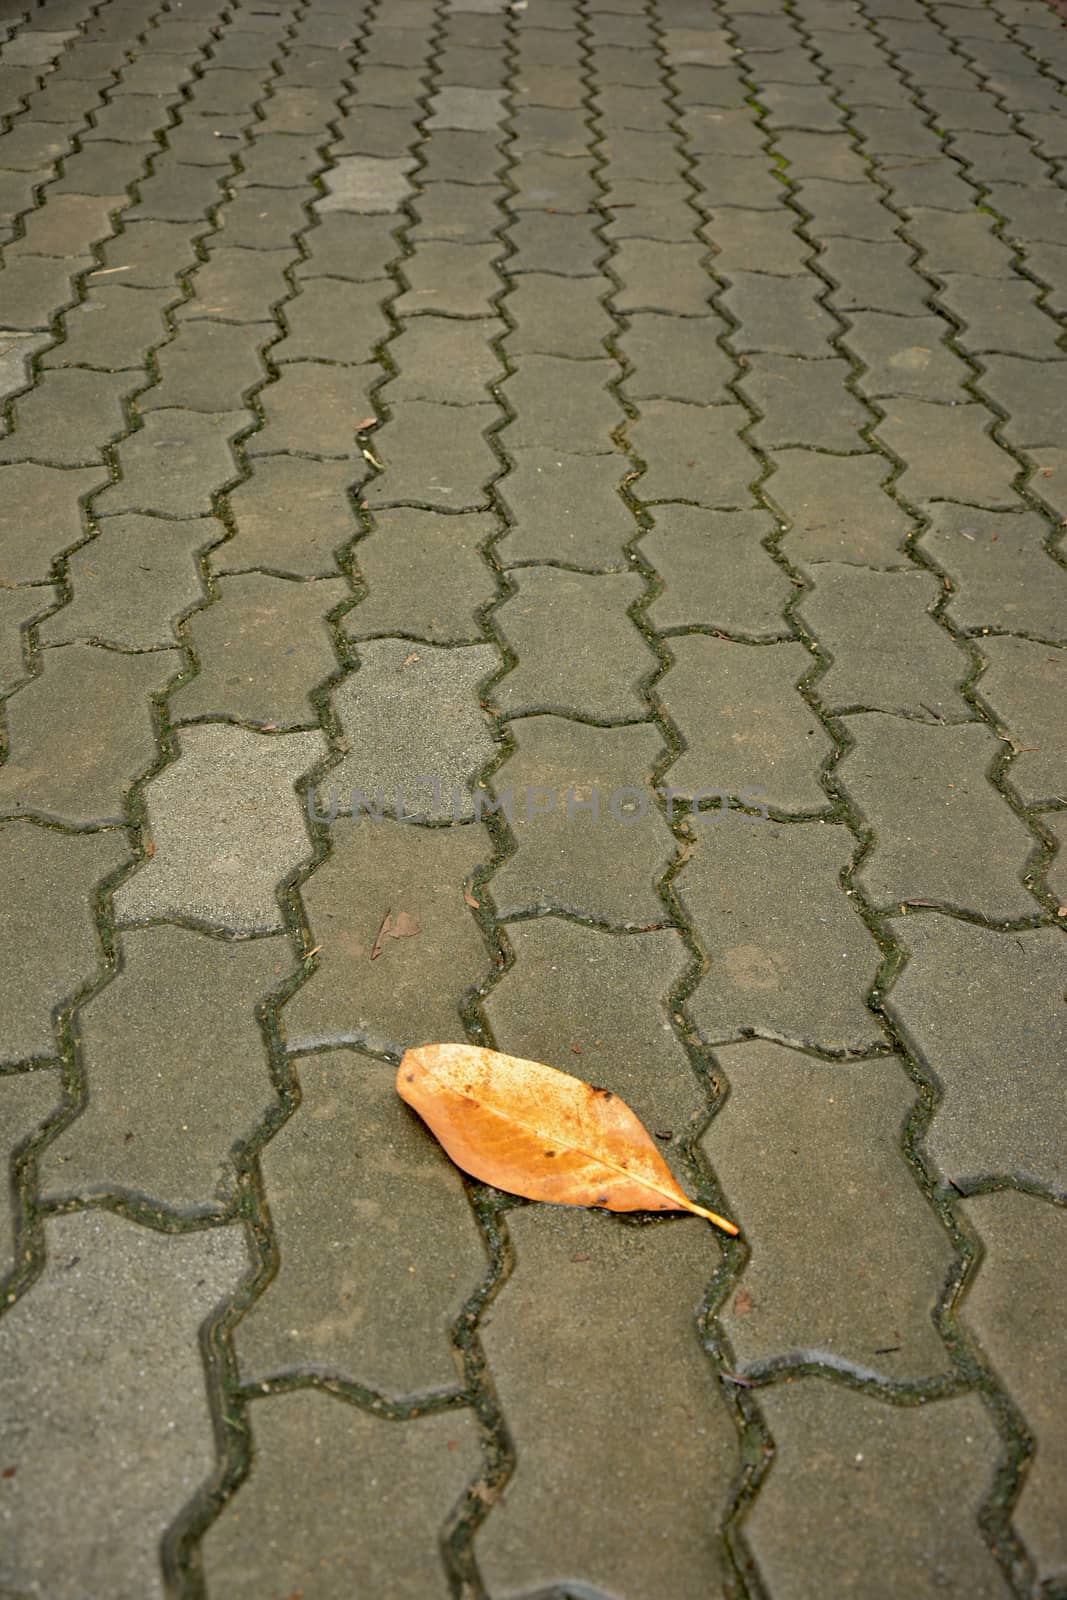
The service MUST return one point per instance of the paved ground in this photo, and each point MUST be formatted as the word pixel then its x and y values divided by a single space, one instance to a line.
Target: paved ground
pixel 528 407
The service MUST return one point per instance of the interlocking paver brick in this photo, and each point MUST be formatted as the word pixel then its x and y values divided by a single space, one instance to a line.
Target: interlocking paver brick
pixel 873 1517
pixel 802 402
pixel 906 356
pixel 566 508
pixel 112 328
pixel 275 160
pixel 561 404
pixel 744 725
pixel 694 453
pixel 373 1304
pixel 262 646
pixel 239 286
pixel 557 1001
pixel 262 218
pixel 558 183
pixel 66 418
pixel 109 1289
pixel 1033 393
pixel 1015 1306
pixel 1026 684
pixel 34 47
pixel 807 106
pixel 996 154
pixel 436 455
pixel 340 1500
pixel 348 244
pixel 208 141
pixel 657 276
pixel 942 832
pixel 676 358
pixel 185 1003
pixel 457 105
pixel 561 132
pixel 105 167
pixel 888 652
pixel 129 117
pixel 314 408
pixel 789 956
pixel 40 516
pixel 655 211
pixel 388 134
pixel 552 242
pixel 736 181
pixel 716 572
pixel 1001 572
pixel 954 244
pixel 414 728
pixel 174 462
pixel 149 254
pixel 591 840
pixel 175 192
pixel 756 241
pixel 385 86
pixel 208 366
pixel 780 315
pixel 132 583
pixel 984 1011
pixel 874 275
pixel 412 991
pixel 29 145
pixel 852 210
pixel 570 1433
pixel 546 623
pixel 291 515
pixel 80 733
pixel 461 213
pixel 448 359
pixel 711 129
pixel 331 320
pixel 68 224
pixel 453 156
pixel 948 452
pixel 546 85
pixel 862 1288
pixel 426 577
pixel 558 316
pixel 227 827
pixel 450 280
pixel 46 912
pixel 366 184
pixel 998 314
pixel 15 352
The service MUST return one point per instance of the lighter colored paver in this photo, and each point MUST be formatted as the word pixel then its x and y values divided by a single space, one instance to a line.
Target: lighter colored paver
pixel 227 827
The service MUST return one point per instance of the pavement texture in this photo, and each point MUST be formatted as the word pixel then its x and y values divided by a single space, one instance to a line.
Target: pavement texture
pixel 541 524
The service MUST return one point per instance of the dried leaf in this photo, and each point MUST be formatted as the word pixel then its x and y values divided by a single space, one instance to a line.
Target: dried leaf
pixel 471 901
pixel 534 1131
pixel 399 927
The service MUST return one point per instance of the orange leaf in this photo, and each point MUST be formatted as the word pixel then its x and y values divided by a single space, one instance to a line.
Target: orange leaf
pixel 534 1131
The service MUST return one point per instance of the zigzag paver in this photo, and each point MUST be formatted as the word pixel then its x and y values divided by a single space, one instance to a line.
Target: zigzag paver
pixel 524 401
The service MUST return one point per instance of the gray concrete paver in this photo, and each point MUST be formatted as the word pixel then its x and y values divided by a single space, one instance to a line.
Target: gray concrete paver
pixel 625 365
pixel 1014 1309
pixel 860 1287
